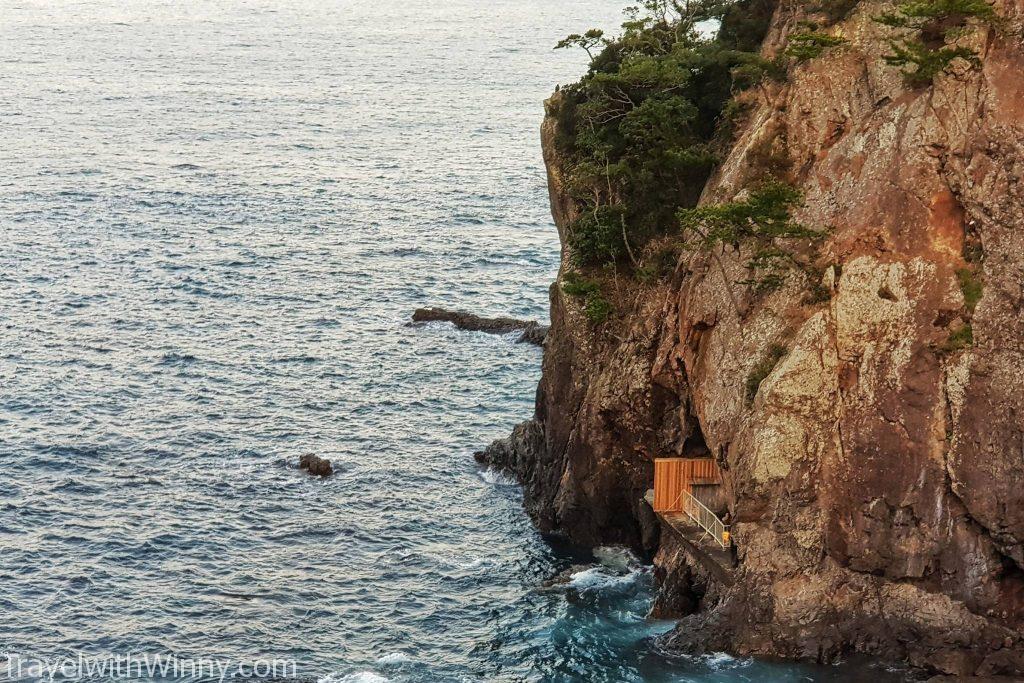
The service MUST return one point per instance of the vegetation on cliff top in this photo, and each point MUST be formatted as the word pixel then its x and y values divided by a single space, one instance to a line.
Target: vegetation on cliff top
pixel 639 133
pixel 638 129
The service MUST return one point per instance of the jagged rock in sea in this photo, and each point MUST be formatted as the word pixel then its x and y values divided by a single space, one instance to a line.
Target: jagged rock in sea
pixel 532 331
pixel 316 465
pixel 875 476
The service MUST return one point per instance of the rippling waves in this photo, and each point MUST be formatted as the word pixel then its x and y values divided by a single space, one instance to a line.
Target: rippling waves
pixel 216 219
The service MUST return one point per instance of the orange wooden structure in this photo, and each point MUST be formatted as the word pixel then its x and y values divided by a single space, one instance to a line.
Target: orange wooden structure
pixel 674 475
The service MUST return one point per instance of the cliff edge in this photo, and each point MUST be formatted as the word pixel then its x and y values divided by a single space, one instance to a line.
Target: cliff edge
pixel 874 469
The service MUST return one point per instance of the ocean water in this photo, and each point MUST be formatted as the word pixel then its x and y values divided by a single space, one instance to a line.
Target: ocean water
pixel 215 221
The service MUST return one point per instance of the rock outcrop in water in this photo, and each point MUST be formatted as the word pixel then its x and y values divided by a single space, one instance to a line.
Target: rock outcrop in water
pixel 316 465
pixel 532 331
pixel 875 479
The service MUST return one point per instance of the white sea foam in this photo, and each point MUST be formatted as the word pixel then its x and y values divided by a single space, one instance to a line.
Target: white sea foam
pixel 357 677
pixel 598 578
pixel 462 561
pixel 394 659
pixel 497 477
pixel 475 564
pixel 720 661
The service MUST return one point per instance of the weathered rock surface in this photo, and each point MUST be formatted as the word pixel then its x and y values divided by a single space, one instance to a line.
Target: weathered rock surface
pixel 316 465
pixel 532 331
pixel 875 481
pixel 688 579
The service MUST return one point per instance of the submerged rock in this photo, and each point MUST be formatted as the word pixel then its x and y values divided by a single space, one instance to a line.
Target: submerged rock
pixel 316 465
pixel 532 331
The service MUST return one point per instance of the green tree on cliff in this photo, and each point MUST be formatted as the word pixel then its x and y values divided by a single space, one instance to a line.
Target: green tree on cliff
pixel 929 28
pixel 587 41
pixel 638 129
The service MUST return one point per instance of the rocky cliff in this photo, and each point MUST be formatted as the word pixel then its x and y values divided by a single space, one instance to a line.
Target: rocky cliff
pixel 876 477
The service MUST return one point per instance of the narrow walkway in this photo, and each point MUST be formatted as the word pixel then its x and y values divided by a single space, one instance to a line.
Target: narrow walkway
pixel 715 558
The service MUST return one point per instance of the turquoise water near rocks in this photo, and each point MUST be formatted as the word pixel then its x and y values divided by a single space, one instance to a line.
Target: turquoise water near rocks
pixel 216 219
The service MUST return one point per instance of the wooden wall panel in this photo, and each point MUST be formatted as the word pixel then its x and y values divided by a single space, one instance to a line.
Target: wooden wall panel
pixel 668 482
pixel 673 475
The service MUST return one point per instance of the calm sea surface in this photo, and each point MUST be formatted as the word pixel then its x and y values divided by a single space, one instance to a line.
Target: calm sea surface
pixel 215 221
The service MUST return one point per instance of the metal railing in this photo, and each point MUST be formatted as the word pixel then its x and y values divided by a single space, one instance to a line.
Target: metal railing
pixel 704 517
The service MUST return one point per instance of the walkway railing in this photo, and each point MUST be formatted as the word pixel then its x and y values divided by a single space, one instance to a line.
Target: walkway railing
pixel 704 517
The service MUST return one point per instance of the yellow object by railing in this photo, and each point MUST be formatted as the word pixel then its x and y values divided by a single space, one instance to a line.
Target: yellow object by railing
pixel 705 518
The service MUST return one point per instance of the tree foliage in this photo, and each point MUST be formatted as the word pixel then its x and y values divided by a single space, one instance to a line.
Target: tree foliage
pixel 928 27
pixel 810 44
pixel 637 130
pixel 761 224
pixel 940 16
pixel 595 306
pixel 588 41
pixel 927 62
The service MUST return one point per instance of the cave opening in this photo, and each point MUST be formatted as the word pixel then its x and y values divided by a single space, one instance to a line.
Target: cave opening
pixel 696 446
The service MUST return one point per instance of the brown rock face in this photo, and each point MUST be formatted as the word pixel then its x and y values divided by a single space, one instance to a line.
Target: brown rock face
pixel 876 481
